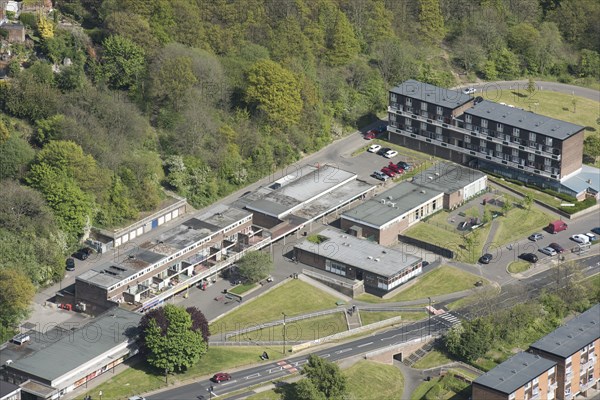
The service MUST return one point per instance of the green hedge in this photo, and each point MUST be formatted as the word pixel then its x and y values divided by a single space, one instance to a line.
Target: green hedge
pixel 582 205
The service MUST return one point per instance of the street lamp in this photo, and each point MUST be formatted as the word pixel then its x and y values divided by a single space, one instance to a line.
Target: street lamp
pixel 284 332
pixel 429 313
pixel 100 394
pixel 210 391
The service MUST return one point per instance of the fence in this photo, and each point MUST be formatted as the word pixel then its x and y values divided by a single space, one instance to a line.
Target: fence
pixel 442 251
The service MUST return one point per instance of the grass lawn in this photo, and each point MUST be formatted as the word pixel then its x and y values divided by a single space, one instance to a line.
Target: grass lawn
pixel 140 378
pixel 538 195
pixel 294 298
pixel 520 223
pixel 243 288
pixel 442 280
pixel 306 329
pixel 434 358
pixel 446 387
pixel 551 104
pixel 371 380
pixel 516 267
pixel 369 317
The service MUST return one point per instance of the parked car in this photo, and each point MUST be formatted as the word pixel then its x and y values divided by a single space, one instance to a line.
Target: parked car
pixel 580 238
pixel 395 168
pixel 549 251
pixel 380 175
pixel 596 230
pixel 591 236
pixel 536 236
pixel 220 377
pixel 372 134
pixel 83 253
pixel 70 264
pixel 390 154
pixel 486 258
pixel 424 263
pixel 404 165
pixel 470 90
pixel 374 148
pixel 382 128
pixel 529 257
pixel 383 150
pixel 137 398
pixel 388 172
pixel 557 226
pixel 557 247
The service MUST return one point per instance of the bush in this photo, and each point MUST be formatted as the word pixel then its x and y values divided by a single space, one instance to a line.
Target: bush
pixel 434 393
pixel 582 205
pixel 28 19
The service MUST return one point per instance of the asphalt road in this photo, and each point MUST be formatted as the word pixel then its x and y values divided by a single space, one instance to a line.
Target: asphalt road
pixel 512 293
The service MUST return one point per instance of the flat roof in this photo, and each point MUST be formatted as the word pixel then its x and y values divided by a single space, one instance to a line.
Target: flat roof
pixel 83 345
pixel 447 177
pixel 8 388
pixel 588 178
pixel 392 204
pixel 515 372
pixel 166 244
pixel 448 98
pixel 296 189
pixel 360 253
pixel 526 120
pixel 572 336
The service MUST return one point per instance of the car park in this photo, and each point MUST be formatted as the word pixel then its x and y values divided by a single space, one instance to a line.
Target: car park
pixel 536 236
pixel 374 148
pixel 70 264
pixel 470 90
pixel 486 258
pixel 372 134
pixel 557 247
pixel 220 377
pixel 383 150
pixel 388 172
pixel 529 257
pixel 580 238
pixel 380 175
pixel 83 253
pixel 390 154
pixel 395 168
pixel 549 251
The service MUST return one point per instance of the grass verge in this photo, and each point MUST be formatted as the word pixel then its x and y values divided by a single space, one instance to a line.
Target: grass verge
pixel 520 223
pixel 371 380
pixel 519 266
pixel 442 280
pixel 243 288
pixel 445 387
pixel 294 298
pixel 434 358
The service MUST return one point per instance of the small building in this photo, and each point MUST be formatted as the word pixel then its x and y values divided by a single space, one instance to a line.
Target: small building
pixel 16 32
pixel 77 357
pixel 380 268
pixel 575 348
pixel 584 184
pixel 523 376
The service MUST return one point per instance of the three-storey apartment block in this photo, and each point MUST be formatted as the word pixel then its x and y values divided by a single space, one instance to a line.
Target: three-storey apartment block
pixel 502 139
pixel 575 347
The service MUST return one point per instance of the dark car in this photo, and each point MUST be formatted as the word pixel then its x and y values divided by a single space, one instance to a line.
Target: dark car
pixel 220 377
pixel 424 263
pixel 404 165
pixel 70 264
pixel 486 258
pixel 557 247
pixel 383 150
pixel 529 257
pixel 83 254
pixel 382 128
pixel 596 230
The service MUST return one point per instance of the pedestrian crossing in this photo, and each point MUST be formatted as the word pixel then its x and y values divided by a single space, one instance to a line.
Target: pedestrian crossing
pixel 448 319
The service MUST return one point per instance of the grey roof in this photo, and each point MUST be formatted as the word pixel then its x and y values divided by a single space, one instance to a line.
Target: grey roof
pixel 449 98
pixel 138 257
pixel 7 388
pixel 572 336
pixel 525 120
pixel 295 190
pixel 352 251
pixel 90 341
pixel 515 372
pixel 391 204
pixel 447 177
pixel 586 179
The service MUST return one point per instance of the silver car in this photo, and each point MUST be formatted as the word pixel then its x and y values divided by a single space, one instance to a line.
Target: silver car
pixel 549 251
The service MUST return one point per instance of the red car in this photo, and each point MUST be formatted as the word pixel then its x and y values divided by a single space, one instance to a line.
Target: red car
pixel 372 134
pixel 220 377
pixel 388 172
pixel 395 168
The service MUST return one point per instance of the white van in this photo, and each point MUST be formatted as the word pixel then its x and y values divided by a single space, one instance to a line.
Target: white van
pixel 21 338
pixel 580 238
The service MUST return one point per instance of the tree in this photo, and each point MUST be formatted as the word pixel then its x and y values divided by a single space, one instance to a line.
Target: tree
pixel 591 146
pixel 487 215
pixel 305 389
pixel 123 62
pixel 431 21
pixel 506 63
pixel 172 80
pixel 255 266
pixel 15 154
pixel 589 63
pixel 506 204
pixel 168 339
pixel 531 88
pixel 275 91
pixel 527 201
pixel 44 27
pixel 340 40
pixel 16 292
pixel 326 377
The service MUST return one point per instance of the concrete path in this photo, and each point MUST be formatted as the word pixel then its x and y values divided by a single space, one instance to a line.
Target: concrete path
pixel 412 378
pixel 353 319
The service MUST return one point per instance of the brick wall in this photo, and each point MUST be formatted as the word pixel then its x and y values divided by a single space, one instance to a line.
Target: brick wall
pixel 572 154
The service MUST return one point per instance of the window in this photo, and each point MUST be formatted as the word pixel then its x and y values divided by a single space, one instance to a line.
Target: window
pixel 547 161
pixel 438 110
pixel 515 153
pixel 499 148
pixel 467 139
pixel 394 97
pixel 484 123
pixel 512 396
pixel 423 126
pixel 423 106
pixel 408 121
pixel 438 130
pixel 499 127
pixel 532 136
pixel 548 141
pixel 434 204
pixel 531 157
pixel 516 131
pixel 468 118
pixel 408 101
pixel 335 268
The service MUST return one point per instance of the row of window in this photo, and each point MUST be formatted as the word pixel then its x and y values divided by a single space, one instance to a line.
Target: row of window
pixel 335 267
pixel 516 132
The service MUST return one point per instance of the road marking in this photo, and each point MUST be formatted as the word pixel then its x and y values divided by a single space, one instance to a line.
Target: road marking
pixel 325 355
pixel 275 369
pixel 366 344
pixel 228 383
pixel 256 375
pixel 343 350
pixel 298 363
